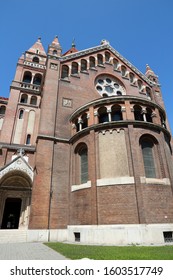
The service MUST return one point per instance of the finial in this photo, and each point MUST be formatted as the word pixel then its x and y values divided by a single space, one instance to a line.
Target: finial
pixel 73 43
pixel 39 39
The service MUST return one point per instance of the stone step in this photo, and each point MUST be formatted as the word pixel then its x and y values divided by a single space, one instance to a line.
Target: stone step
pixel 12 236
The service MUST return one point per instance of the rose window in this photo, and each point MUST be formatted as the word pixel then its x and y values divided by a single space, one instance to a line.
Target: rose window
pixel 109 86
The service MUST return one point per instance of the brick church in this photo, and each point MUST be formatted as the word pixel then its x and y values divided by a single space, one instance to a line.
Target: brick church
pixel 85 149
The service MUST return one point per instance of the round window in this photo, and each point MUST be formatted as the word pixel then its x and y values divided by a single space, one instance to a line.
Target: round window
pixel 109 86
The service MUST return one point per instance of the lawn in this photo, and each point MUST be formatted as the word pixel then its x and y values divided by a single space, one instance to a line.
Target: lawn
pixel 74 252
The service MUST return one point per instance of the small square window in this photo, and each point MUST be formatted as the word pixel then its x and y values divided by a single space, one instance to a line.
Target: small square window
pixel 168 236
pixel 77 236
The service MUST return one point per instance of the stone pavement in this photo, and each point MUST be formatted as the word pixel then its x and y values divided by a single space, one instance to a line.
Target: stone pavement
pixel 28 251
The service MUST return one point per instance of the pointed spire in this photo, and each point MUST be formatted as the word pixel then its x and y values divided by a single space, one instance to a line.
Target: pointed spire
pixel 150 74
pixel 55 42
pixel 73 45
pixel 37 48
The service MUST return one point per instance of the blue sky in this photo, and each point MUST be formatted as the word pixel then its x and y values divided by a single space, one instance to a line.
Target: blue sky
pixel 141 30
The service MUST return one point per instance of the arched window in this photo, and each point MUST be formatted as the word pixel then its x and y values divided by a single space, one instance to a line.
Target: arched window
pixel 65 72
pixel 37 79
pixel 100 59
pixel 2 110
pixel 77 125
pixel 24 98
pixel 149 115
pixel 83 65
pixel 35 59
pixel 84 119
pixel 147 147
pixel 27 77
pixel 21 113
pixel 115 64
pixel 116 114
pixel 107 57
pixel 123 70
pixel 148 92
pixel 74 69
pixel 28 139
pixel 81 166
pixel 162 119
pixel 139 85
pixel 138 113
pixel 103 115
pixel 132 78
pixel 54 52
pixel 33 100
pixel 92 62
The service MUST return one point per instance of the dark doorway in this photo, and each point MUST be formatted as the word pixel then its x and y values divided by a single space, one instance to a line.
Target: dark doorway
pixel 11 213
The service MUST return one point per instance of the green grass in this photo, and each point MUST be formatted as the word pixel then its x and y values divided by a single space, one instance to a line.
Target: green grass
pixel 74 252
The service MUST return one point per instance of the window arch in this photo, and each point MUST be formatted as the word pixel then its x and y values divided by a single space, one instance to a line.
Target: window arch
pixel 100 59
pixel 74 69
pixel 103 115
pixel 149 115
pixel 24 98
pixel 82 163
pixel 37 79
pixel 147 146
pixel 21 113
pixel 148 92
pixel 140 84
pixel 65 72
pixel 33 100
pixel 2 110
pixel 115 64
pixel 123 70
pixel 84 120
pixel 138 113
pixel 83 65
pixel 107 57
pixel 92 63
pixel 116 114
pixel 35 59
pixel 54 52
pixel 132 78
pixel 28 139
pixel 27 77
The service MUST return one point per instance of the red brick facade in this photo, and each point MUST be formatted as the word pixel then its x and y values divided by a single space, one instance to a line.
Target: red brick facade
pixel 93 102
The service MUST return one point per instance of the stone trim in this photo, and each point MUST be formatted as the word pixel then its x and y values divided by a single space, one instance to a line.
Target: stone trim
pixel 115 181
pixel 155 181
pixel 81 186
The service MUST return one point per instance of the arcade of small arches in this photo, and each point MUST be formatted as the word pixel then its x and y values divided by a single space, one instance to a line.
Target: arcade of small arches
pixel 116 112
pixel 27 99
pixel 75 68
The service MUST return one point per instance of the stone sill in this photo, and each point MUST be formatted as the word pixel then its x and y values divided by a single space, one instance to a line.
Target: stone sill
pixel 115 181
pixel 155 181
pixel 81 186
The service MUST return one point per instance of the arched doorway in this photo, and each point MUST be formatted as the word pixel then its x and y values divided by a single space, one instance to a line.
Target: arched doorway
pixel 11 213
pixel 15 199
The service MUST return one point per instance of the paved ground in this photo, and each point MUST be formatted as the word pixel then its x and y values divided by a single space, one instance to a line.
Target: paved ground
pixel 28 251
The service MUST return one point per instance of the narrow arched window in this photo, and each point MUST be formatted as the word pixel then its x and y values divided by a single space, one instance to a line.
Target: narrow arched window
pixel 2 110
pixel 21 113
pixel 147 152
pixel 100 59
pixel 37 79
pixel 54 52
pixel 33 100
pixel 74 69
pixel 140 85
pixel 24 98
pixel 103 115
pixel 115 64
pixel 83 157
pixel 123 70
pixel 83 65
pixel 132 78
pixel 116 114
pixel 84 120
pixel 65 72
pixel 149 115
pixel 148 92
pixel 92 62
pixel 107 57
pixel 27 77
pixel 28 139
pixel 138 113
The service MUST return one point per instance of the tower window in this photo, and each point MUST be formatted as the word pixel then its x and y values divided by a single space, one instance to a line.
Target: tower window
pixel 37 79
pixel 28 139
pixel 21 113
pixel 116 114
pixel 33 100
pixel 24 98
pixel 27 77
pixel 2 110
pixel 35 59
pixel 103 115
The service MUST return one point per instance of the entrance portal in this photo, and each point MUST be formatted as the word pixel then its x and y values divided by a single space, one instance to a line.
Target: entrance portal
pixel 11 213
